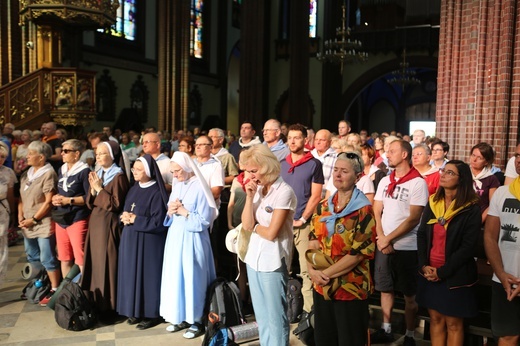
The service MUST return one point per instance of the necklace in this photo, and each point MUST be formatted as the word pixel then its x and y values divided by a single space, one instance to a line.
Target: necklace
pixel 339 206
pixel 185 186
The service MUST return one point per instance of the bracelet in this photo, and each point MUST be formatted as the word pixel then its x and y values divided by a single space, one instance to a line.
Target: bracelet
pixel 302 219
pixel 35 220
pixel 254 228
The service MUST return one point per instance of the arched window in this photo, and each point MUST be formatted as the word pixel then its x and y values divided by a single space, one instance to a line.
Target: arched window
pixel 313 17
pixel 125 21
pixel 196 29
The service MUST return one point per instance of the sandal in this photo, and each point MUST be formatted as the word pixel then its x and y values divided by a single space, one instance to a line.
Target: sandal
pixel 172 328
pixel 195 331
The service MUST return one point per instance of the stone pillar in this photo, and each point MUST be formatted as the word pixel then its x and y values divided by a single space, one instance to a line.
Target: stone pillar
pixel 254 60
pixel 299 109
pixel 173 63
pixel 478 95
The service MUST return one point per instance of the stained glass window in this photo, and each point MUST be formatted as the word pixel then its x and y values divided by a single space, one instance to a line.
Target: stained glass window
pixel 197 27
pixel 125 21
pixel 313 9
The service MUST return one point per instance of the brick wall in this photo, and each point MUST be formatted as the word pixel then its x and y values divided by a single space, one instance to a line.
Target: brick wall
pixel 479 76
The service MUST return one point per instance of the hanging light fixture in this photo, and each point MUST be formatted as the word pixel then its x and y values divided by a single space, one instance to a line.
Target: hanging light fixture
pixel 405 76
pixel 342 49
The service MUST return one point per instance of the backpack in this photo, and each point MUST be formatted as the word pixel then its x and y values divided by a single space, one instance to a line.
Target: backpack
pixel 294 300
pixel 223 308
pixel 223 302
pixel 72 310
pixel 37 288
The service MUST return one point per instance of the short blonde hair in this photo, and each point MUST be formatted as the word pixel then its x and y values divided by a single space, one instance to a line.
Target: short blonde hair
pixel 260 155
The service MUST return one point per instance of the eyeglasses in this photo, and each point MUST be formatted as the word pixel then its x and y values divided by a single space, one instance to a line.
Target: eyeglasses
pixel 101 154
pixel 437 150
pixel 66 151
pixel 201 144
pixel 134 170
pixel 148 142
pixel 351 156
pixel 448 172
pixel 264 130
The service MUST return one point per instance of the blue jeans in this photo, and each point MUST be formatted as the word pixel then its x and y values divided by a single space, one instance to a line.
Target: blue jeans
pixel 269 295
pixel 42 250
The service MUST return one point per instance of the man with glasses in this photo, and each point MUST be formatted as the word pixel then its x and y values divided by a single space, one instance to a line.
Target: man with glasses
pixel 305 175
pixel 222 154
pixel 271 133
pixel 398 206
pixel 209 166
pixel 247 139
pixel 152 146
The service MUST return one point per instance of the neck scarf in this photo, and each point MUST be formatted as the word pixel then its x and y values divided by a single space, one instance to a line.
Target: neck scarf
pixel 280 145
pixel 443 217
pixel 240 179
pixel 32 176
pixel 412 173
pixel 306 157
pixel 49 138
pixel 357 201
pixel 514 188
pixel 486 172
pixel 110 173
pixel 222 151
pixel 66 172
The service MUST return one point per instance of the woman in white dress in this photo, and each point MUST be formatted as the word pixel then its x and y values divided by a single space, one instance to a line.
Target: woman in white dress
pixel 188 267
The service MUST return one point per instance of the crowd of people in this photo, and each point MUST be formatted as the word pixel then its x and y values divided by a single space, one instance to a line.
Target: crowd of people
pixel 144 216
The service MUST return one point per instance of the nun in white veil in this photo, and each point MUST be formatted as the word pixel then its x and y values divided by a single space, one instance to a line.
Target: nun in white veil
pixel 188 267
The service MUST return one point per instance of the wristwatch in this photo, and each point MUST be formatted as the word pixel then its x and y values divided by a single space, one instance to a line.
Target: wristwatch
pixel 72 201
pixel 35 220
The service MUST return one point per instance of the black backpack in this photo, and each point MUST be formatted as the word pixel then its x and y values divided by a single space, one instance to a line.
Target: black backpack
pixel 37 288
pixel 305 330
pixel 72 310
pixel 223 300
pixel 223 308
pixel 294 300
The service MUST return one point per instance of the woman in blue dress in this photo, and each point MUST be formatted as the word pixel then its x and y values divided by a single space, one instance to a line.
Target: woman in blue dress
pixel 188 267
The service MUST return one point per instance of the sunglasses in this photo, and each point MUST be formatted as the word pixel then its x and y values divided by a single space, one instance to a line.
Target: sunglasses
pixel 66 151
pixel 351 156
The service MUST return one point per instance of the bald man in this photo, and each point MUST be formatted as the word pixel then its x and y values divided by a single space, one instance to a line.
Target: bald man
pixel 323 152
pixel 152 146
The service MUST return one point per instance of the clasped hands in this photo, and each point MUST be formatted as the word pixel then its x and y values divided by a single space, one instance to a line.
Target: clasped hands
pixel 96 184
pixel 430 273
pixel 317 276
pixel 384 244
pixel 176 207
pixel 127 218
pixel 511 284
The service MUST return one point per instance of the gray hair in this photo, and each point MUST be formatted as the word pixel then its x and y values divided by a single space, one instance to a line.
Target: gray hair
pixel 75 144
pixel 28 132
pixel 425 147
pixel 219 132
pixel 354 158
pixel 41 148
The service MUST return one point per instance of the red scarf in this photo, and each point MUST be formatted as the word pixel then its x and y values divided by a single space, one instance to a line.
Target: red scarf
pixel 412 173
pixel 308 156
pixel 240 179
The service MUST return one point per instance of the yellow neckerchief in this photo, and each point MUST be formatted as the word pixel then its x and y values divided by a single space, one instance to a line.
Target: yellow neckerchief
pixel 441 217
pixel 514 188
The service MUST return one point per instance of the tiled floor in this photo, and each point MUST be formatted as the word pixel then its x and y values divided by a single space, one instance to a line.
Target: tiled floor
pixel 22 323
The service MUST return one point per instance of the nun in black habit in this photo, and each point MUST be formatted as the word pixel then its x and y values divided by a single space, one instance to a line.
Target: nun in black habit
pixel 142 246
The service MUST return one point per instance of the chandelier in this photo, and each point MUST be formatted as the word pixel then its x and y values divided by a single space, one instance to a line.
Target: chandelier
pixel 405 76
pixel 342 49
